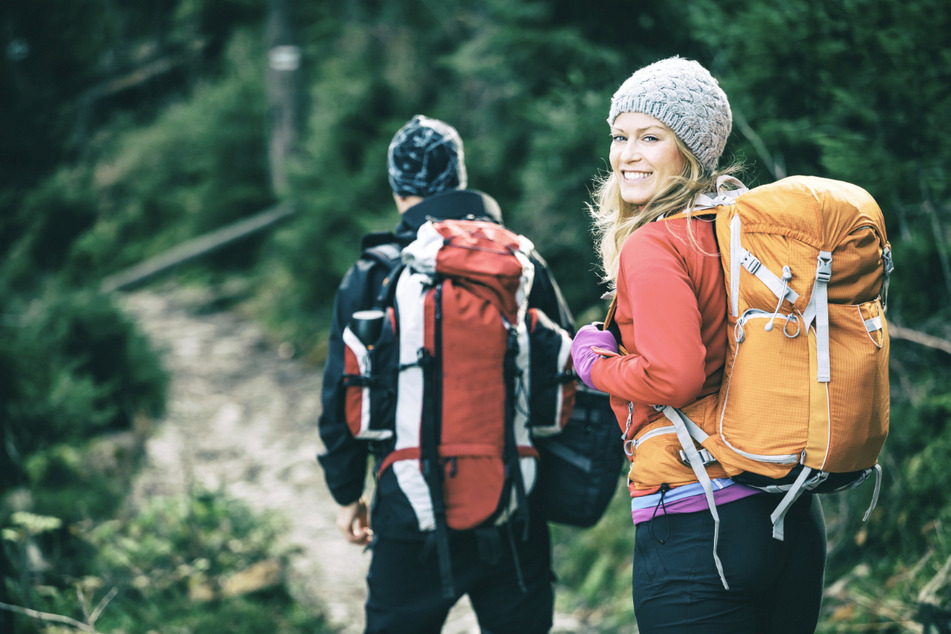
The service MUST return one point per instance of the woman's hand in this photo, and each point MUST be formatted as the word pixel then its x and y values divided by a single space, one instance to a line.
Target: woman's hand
pixel 590 344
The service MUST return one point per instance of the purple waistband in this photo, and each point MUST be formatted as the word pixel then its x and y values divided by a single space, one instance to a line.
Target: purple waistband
pixel 693 503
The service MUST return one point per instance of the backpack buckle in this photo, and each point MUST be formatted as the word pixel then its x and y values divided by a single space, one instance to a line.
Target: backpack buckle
pixel 706 457
pixel 824 268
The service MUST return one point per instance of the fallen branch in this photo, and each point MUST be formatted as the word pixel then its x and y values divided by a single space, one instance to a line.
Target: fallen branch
pixel 142 74
pixel 46 616
pixel 196 248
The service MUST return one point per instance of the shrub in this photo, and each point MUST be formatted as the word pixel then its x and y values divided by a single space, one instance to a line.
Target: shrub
pixel 190 564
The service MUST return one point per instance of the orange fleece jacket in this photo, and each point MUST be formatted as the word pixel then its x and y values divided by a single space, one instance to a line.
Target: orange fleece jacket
pixel 672 315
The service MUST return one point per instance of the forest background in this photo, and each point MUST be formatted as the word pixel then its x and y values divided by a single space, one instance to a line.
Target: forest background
pixel 127 128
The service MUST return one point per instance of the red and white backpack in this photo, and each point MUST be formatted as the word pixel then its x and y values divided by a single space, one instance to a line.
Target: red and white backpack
pixel 455 374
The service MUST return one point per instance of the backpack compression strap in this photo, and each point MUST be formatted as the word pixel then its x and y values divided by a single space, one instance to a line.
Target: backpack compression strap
pixel 429 439
pixel 686 430
pixel 741 258
pixel 818 310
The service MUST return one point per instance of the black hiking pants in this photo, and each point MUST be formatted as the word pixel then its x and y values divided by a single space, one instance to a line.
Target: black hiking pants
pixel 775 586
pixel 406 587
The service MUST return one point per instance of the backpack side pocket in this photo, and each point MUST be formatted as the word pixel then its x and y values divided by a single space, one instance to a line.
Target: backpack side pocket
pixel 551 381
pixel 369 382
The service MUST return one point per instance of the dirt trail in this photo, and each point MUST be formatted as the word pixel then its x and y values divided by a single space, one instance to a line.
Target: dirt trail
pixel 242 417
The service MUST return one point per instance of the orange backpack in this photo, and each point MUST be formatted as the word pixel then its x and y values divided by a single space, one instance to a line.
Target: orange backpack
pixel 804 401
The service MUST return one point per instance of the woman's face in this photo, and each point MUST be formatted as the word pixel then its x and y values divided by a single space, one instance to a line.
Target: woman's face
pixel 644 156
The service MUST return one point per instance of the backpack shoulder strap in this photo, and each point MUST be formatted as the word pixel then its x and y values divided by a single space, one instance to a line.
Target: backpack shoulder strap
pixel 383 249
pixel 611 325
pixel 389 256
pixel 386 253
pixel 723 195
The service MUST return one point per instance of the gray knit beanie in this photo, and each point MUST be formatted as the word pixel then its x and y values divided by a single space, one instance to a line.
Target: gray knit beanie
pixel 686 98
pixel 425 158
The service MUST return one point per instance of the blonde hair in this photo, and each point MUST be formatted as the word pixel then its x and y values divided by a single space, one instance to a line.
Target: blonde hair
pixel 615 219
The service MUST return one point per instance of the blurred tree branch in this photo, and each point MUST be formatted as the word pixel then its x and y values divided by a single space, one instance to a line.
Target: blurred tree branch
pixel 900 332
pixel 45 616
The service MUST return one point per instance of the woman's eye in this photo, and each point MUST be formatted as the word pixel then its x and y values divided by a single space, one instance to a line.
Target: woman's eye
pixel 618 138
pixel 649 138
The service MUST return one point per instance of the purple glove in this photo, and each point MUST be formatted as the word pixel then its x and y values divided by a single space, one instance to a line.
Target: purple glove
pixel 581 349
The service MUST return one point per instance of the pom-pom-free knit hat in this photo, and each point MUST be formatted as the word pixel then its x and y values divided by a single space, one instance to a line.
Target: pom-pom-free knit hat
pixel 425 157
pixel 685 97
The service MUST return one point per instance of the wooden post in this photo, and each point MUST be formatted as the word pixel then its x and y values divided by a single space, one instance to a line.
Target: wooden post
pixel 283 91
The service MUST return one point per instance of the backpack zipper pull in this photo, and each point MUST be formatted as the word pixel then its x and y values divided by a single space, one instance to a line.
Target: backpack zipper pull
pixel 451 461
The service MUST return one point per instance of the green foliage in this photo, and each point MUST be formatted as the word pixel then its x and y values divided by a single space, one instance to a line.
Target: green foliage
pixel 199 166
pixel 74 367
pixel 51 49
pixel 84 480
pixel 339 183
pixel 208 531
pixel 558 168
pixel 101 350
pixel 174 563
pixel 193 564
pixel 51 218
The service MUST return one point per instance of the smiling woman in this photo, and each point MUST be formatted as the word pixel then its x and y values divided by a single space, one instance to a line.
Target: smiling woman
pixel 669 125
pixel 671 100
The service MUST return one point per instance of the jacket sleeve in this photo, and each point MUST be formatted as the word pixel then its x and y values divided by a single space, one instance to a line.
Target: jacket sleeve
pixel 344 460
pixel 546 295
pixel 662 329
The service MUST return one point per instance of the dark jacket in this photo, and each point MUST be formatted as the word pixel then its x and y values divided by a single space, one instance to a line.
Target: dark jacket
pixel 345 460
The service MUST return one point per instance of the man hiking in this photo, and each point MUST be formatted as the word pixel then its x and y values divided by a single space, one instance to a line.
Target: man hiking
pixel 503 565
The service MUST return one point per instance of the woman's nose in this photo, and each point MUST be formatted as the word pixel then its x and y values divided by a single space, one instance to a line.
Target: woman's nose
pixel 630 152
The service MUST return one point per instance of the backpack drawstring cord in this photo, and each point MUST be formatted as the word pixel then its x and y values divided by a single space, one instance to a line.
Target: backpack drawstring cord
pixel 664 488
pixel 787 275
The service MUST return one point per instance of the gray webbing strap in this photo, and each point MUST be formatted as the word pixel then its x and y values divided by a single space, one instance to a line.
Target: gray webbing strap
pixel 740 257
pixel 723 196
pixel 772 281
pixel 681 424
pixel 779 514
pixel 889 266
pixel 818 309
pixel 873 324
pixel 736 251
pixel 875 491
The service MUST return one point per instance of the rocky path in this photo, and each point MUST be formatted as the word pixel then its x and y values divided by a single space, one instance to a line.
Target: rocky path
pixel 242 417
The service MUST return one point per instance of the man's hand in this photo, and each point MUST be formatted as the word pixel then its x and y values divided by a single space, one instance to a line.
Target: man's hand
pixel 353 520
